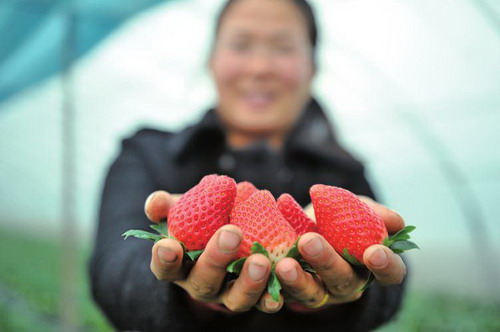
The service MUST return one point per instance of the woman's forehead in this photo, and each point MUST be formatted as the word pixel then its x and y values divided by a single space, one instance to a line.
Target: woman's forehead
pixel 279 18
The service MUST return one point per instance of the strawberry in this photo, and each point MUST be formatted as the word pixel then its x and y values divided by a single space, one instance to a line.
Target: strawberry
pixel 243 190
pixel 351 226
pixel 295 215
pixel 265 231
pixel 202 210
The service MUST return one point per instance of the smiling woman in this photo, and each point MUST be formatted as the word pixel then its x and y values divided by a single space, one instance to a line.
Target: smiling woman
pixel 262 64
pixel 265 128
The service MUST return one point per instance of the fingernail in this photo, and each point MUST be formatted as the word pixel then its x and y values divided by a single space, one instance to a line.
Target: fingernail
pixel 396 213
pixel 146 204
pixel 256 271
pixel 290 275
pixel 271 304
pixel 228 241
pixel 314 247
pixel 378 258
pixel 166 255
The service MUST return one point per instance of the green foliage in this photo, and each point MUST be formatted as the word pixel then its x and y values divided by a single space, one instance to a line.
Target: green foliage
pixel 30 270
pixel 431 311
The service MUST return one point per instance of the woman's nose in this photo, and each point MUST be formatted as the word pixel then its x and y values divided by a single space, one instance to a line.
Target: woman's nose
pixel 260 62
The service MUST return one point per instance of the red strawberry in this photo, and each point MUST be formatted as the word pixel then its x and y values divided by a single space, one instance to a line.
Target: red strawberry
pixel 350 225
pixel 261 221
pixel 202 210
pixel 295 215
pixel 243 190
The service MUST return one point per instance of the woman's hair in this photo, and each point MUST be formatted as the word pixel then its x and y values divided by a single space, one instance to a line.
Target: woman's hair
pixel 304 8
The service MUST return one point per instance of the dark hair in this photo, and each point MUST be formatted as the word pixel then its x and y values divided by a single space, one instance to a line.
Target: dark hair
pixel 304 8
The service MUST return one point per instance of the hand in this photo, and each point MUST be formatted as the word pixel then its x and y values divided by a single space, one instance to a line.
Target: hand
pixel 204 280
pixel 336 281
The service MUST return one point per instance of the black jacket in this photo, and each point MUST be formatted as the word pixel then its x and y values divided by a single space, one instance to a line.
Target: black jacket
pixel 122 283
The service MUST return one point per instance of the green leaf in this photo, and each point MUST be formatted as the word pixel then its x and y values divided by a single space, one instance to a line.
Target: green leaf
pixel 257 248
pixel 409 229
pixel 399 237
pixel 402 235
pixel 236 266
pixel 274 286
pixel 294 251
pixel 351 259
pixel 160 228
pixel 194 254
pixel 367 284
pixel 306 267
pixel 401 246
pixel 142 235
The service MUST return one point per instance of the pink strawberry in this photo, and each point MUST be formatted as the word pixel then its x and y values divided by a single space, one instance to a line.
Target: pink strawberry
pixel 202 210
pixel 243 190
pixel 261 221
pixel 265 231
pixel 295 215
pixel 350 225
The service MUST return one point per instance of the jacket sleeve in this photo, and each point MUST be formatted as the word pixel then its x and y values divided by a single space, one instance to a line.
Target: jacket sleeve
pixel 122 283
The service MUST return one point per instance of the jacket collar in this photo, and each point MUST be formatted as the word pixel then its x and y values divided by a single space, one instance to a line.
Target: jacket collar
pixel 312 137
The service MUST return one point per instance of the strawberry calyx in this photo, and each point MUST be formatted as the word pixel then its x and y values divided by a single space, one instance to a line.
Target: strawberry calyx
pixel 161 233
pixel 398 243
pixel 295 254
pixel 273 283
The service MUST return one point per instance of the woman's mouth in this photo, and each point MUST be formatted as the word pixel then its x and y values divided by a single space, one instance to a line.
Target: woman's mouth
pixel 258 100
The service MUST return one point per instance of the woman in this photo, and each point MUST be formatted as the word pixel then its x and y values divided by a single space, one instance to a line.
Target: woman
pixel 266 128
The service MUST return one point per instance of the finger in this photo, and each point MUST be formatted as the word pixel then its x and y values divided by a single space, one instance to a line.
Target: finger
pixel 337 274
pixel 387 266
pixel 157 205
pixel 245 292
pixel 300 285
pixel 166 260
pixel 268 305
pixel 206 276
pixel 393 221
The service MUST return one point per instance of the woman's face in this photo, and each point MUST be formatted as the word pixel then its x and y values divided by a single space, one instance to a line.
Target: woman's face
pixel 262 66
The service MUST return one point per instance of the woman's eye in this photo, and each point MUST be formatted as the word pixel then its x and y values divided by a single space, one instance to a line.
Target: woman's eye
pixel 240 46
pixel 284 49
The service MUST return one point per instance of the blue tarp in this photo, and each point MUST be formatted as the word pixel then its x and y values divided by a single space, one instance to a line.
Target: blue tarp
pixel 33 31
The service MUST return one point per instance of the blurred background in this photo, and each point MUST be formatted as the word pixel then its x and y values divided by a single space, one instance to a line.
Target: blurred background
pixel 413 88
